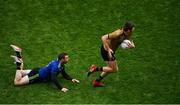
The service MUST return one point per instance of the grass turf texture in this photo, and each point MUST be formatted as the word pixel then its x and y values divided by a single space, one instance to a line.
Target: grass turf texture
pixel 44 28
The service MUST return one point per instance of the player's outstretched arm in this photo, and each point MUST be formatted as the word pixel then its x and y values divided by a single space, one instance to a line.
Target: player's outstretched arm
pixel 65 75
pixel 58 85
pixel 105 39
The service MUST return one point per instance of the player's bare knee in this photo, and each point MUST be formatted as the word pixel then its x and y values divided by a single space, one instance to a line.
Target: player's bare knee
pixel 16 83
pixel 116 69
pixel 111 70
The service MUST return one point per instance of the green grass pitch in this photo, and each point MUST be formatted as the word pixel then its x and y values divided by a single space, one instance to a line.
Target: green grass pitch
pixel 44 28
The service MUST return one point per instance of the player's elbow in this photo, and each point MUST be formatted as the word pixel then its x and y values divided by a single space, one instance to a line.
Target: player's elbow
pixel 53 78
pixel 104 38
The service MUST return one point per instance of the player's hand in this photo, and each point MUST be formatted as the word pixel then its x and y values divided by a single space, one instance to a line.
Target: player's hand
pixel 110 52
pixel 64 90
pixel 131 45
pixel 75 81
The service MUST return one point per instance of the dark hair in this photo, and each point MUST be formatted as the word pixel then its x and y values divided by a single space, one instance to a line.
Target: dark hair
pixel 128 26
pixel 62 56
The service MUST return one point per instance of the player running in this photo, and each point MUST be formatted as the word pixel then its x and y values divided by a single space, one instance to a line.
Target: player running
pixel 45 74
pixel 111 43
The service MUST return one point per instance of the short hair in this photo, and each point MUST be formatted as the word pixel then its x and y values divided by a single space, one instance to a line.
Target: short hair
pixel 62 56
pixel 128 26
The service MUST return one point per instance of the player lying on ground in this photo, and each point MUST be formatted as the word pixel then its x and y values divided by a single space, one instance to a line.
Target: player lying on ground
pixel 45 74
pixel 111 43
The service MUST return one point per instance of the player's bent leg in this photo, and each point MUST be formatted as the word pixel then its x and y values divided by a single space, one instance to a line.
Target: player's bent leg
pixel 104 74
pixel 22 81
pixel 18 62
pixel 18 75
pixel 25 72
pixel 17 50
pixel 93 68
pixel 111 68
pixel 107 69
pixel 21 73
pixel 31 76
pixel 113 65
